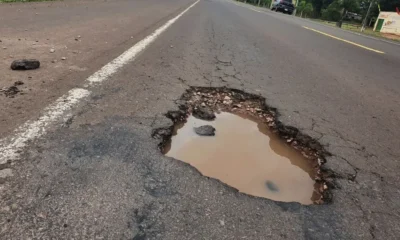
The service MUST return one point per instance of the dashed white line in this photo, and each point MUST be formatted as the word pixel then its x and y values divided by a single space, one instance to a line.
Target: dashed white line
pixel 10 147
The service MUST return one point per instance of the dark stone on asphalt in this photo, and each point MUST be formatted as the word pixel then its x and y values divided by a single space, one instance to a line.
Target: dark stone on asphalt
pixel 204 113
pixel 206 130
pixel 25 64
pixel 18 83
pixel 272 186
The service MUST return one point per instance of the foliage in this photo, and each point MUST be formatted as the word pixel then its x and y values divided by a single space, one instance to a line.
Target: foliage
pixel 333 12
pixel 308 9
pixel 304 8
pixel 350 5
pixel 317 4
pixel 389 5
pixel 301 6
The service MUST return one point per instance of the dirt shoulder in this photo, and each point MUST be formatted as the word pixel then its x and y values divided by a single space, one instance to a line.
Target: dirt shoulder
pixel 71 40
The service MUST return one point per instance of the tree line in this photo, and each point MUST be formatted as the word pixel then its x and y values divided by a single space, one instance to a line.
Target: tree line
pixel 335 10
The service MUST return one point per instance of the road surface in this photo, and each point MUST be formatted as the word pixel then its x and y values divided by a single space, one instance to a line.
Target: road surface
pixel 78 160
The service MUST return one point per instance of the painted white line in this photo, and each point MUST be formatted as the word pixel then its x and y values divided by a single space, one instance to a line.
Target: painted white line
pixel 10 147
pixel 131 53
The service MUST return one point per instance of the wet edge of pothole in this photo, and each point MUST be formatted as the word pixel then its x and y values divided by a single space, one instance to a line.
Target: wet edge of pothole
pixel 240 102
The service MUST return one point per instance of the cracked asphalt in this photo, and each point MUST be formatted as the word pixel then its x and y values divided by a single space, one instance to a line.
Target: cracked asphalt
pixel 98 173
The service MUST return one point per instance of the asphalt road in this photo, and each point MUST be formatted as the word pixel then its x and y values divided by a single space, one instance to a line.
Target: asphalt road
pixel 97 172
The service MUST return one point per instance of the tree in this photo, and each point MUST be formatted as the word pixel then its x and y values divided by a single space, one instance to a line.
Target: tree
pixel 301 7
pixel 338 8
pixel 350 5
pixel 389 5
pixel 308 9
pixel 317 4
pixel 304 8
pixel 333 12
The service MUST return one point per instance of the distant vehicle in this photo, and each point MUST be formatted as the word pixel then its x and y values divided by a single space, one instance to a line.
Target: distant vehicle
pixel 353 16
pixel 285 6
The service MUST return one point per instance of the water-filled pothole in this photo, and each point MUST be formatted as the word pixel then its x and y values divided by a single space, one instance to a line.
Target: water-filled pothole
pixel 251 151
pixel 247 156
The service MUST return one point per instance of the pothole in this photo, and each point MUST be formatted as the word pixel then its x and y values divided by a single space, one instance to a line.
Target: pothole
pixel 251 150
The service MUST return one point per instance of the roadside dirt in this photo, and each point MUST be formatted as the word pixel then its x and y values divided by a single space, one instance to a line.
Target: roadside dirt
pixel 391 36
pixel 72 40
pixel 241 103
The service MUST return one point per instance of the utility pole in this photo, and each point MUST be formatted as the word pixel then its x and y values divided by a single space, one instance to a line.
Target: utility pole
pixel 366 16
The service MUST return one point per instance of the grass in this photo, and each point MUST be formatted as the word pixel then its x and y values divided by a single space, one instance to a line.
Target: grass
pixel 357 29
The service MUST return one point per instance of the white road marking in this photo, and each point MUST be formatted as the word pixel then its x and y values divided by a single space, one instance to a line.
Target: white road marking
pixel 11 147
pixel 131 53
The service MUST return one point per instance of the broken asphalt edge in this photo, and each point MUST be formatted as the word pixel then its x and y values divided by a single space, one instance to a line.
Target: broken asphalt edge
pixel 324 177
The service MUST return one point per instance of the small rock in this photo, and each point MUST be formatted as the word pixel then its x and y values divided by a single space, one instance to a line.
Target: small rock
pixel 5 173
pixel 203 104
pixel 204 113
pixel 52 50
pixel 227 98
pixel 4 48
pixel 222 222
pixel 272 186
pixel 18 83
pixel 42 215
pixel 53 61
pixel 63 58
pixel 206 130
pixel 14 206
pixel 25 64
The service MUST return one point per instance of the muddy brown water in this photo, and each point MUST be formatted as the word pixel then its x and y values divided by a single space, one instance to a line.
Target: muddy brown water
pixel 247 156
